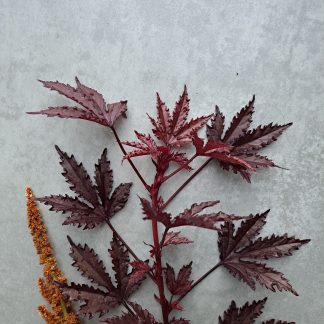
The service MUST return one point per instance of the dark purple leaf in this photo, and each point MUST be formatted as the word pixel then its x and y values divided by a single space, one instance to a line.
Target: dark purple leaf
pixel 93 300
pixel 247 314
pixel 104 178
pixel 240 123
pixel 120 260
pixel 181 284
pixel 119 198
pixel 215 131
pixel 236 248
pixel 89 265
pixel 174 238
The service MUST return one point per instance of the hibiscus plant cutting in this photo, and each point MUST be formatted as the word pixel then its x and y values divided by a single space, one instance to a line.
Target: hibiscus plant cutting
pixel 96 201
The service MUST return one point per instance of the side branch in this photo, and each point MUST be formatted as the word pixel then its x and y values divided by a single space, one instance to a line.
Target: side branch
pixel 185 183
pixel 197 282
pixel 129 160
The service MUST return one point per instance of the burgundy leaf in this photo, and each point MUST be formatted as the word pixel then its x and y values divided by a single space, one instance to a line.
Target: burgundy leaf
pixel 140 269
pixel 103 208
pixel 240 123
pixel 181 284
pixel 152 214
pixel 249 272
pixel 69 112
pixel 219 151
pixel 119 198
pixel 247 314
pixel 248 230
pixel 115 110
pixel 215 131
pixel 77 177
pixel 235 248
pixel 104 178
pixel 60 203
pixel 175 130
pixel 174 238
pixel 260 137
pixel 87 220
pixel 120 260
pixel 244 143
pixel 191 217
pixel 272 247
pixel 144 316
pixel 89 265
pixel 94 300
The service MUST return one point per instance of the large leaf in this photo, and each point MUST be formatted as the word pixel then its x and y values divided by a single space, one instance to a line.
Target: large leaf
pixel 237 248
pixel 93 106
pixel 244 143
pixel 99 204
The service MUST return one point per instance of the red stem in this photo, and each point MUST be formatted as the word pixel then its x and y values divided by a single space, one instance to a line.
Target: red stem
pixel 158 259
pixel 129 160
pixel 179 169
pixel 185 183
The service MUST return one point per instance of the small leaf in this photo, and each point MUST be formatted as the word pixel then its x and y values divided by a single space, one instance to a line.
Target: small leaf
pixel 152 214
pixel 174 238
pixel 215 131
pixel 181 284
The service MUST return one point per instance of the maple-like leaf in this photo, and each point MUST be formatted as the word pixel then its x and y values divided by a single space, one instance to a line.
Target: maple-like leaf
pixel 161 154
pixel 98 203
pixel 244 142
pixel 237 250
pixel 91 267
pixel 175 130
pixel 93 106
pixel 142 316
pixel 181 284
pixel 174 238
pixel 247 314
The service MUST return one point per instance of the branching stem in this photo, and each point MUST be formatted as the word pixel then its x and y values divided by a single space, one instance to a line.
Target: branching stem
pixel 129 160
pixel 185 183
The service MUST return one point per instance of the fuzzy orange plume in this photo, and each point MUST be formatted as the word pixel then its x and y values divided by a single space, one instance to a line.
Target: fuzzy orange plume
pixel 61 311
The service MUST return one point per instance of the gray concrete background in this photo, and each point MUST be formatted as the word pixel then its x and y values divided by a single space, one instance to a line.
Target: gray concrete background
pixel 129 50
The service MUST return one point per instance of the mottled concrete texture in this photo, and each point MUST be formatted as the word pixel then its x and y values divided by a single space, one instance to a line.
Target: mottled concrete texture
pixel 224 51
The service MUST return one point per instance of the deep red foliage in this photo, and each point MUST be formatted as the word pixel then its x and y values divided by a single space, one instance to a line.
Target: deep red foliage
pixel 248 313
pixel 96 202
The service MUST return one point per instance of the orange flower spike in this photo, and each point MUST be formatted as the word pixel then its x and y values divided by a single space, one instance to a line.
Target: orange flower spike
pixel 61 312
